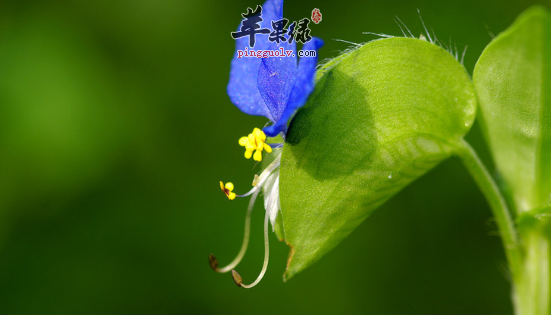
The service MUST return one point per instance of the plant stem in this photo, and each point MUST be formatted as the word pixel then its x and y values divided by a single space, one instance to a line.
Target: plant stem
pixel 529 262
pixel 497 203
pixel 531 295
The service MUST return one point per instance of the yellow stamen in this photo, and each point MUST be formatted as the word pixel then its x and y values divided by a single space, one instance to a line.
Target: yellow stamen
pixel 229 186
pixel 243 141
pixel 227 189
pixel 250 145
pixel 259 134
pixel 257 156
pixel 255 143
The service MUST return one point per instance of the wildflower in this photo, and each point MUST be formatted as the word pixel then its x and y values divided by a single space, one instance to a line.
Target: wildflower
pixel 275 88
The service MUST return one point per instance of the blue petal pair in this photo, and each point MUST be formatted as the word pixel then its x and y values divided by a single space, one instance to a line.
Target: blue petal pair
pixel 274 87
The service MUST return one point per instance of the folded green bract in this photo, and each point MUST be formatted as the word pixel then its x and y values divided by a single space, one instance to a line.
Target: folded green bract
pixel 380 117
pixel 513 84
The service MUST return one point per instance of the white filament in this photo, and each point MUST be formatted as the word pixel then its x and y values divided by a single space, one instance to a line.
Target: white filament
pixel 271 197
pixel 246 237
pixel 266 254
pixel 267 173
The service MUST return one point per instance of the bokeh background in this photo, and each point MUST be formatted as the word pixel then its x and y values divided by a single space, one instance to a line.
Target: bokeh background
pixel 115 129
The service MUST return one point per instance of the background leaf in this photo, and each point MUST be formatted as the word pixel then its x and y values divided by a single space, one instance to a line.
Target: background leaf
pixel 513 83
pixel 380 118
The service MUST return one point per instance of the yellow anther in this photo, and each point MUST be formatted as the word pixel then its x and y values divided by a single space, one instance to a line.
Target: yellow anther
pixel 229 186
pixel 227 189
pixel 243 141
pixel 257 156
pixel 259 134
pixel 250 145
pixel 255 143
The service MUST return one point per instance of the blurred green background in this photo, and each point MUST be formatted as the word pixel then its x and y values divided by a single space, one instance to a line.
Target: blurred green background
pixel 115 129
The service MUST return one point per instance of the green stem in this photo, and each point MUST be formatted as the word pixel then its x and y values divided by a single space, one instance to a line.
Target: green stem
pixel 497 203
pixel 532 287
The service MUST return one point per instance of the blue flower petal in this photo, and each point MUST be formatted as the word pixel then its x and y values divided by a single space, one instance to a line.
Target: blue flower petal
pixel 242 88
pixel 303 87
pixel 276 79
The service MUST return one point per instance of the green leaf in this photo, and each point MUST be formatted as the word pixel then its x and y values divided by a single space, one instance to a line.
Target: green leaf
pixel 380 117
pixel 512 79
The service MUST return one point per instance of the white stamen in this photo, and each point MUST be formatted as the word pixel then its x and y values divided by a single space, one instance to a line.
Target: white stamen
pixel 259 181
pixel 236 275
pixel 263 177
pixel 246 237
pixel 271 197
pixel 250 192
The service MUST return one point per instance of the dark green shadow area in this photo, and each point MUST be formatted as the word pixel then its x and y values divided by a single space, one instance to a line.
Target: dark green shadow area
pixel 325 161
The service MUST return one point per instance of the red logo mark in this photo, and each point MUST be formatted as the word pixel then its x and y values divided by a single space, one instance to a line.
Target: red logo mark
pixel 316 16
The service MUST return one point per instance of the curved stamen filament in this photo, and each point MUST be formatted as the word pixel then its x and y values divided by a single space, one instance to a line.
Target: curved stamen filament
pixel 258 184
pixel 268 171
pixel 250 192
pixel 260 180
pixel 237 277
pixel 214 262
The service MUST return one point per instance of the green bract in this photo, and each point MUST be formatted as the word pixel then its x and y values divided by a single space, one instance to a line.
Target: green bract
pixel 513 83
pixel 380 117
pixel 512 80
